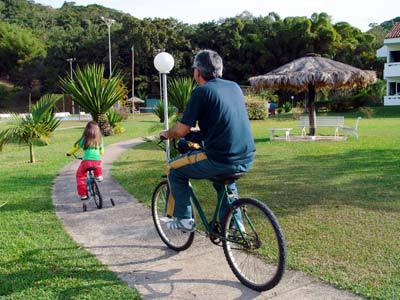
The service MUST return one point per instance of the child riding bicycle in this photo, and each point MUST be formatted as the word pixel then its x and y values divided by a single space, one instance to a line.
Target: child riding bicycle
pixel 92 145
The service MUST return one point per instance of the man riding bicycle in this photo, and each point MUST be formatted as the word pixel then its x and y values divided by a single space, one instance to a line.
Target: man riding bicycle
pixel 218 107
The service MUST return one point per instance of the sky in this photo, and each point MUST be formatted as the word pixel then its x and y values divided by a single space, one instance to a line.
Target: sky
pixel 358 13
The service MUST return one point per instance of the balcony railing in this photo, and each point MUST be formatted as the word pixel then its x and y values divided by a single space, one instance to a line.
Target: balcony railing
pixel 392 70
pixel 392 100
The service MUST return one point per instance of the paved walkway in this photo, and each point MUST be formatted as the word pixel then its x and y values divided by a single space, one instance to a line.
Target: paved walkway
pixel 123 237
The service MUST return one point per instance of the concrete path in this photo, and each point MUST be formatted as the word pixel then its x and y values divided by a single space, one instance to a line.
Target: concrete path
pixel 123 237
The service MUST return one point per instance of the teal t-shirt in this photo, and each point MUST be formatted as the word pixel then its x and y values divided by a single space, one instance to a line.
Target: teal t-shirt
pixel 218 107
pixel 91 153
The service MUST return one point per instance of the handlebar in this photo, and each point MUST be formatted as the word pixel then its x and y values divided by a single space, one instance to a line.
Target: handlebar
pixel 76 157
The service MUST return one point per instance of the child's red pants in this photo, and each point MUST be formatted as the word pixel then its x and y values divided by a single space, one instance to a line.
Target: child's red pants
pixel 81 174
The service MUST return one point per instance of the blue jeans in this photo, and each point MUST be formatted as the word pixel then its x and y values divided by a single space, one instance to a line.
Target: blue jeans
pixel 197 166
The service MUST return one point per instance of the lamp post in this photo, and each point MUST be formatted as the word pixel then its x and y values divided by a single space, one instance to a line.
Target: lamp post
pixel 164 62
pixel 109 22
pixel 71 60
pixel 133 79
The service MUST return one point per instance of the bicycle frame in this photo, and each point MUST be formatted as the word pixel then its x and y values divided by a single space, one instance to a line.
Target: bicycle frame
pixel 210 226
pixel 89 183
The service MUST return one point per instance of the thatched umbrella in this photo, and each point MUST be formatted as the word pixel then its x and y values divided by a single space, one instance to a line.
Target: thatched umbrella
pixel 312 73
pixel 136 100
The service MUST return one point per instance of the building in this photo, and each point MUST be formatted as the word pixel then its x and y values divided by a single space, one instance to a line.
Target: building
pixel 391 73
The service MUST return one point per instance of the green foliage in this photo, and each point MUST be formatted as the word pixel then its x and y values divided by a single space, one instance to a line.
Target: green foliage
pixel 118 129
pixel 94 93
pixel 249 45
pixel 366 112
pixel 256 110
pixel 18 46
pixel 179 91
pixel 159 111
pixel 33 127
pixel 287 107
pixel 268 95
pixel 114 117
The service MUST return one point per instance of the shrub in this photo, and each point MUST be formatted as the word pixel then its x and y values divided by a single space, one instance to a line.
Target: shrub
pixel 119 129
pixel 159 111
pixel 366 112
pixel 179 91
pixel 279 110
pixel 256 110
pixel 114 117
pixel 297 111
pixel 287 107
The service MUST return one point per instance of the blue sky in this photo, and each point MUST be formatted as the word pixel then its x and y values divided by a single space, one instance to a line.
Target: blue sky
pixel 357 12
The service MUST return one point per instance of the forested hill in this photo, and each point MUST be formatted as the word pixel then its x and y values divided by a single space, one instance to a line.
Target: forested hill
pixel 36 40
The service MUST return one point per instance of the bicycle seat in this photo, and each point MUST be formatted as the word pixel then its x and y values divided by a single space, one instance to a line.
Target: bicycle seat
pixel 90 169
pixel 228 177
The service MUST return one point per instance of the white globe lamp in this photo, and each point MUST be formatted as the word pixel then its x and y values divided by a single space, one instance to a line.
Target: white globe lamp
pixel 164 62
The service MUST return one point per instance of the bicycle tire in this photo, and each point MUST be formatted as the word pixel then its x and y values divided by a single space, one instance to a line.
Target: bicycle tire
pixel 97 197
pixel 269 263
pixel 174 239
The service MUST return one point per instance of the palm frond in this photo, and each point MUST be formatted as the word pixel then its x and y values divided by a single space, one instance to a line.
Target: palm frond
pixel 179 91
pixel 92 91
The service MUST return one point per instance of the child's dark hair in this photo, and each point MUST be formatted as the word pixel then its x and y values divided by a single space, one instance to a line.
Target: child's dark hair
pixel 91 135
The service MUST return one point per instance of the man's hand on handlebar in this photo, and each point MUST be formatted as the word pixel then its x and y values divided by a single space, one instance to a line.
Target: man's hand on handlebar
pixel 164 135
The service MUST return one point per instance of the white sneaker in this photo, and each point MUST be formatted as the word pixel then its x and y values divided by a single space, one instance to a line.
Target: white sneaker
pixel 99 179
pixel 187 225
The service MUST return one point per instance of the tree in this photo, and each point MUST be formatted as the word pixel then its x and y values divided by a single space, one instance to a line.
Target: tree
pixel 17 47
pixel 94 93
pixel 36 126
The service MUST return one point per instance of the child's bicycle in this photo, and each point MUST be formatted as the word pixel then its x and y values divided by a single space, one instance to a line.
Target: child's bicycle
pixel 250 234
pixel 93 190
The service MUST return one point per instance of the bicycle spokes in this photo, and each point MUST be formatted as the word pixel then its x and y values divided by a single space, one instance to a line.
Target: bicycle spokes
pixel 252 246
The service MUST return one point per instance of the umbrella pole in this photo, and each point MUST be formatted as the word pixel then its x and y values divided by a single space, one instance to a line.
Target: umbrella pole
pixel 311 109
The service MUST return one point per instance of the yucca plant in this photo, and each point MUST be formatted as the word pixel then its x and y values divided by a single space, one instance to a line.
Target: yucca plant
pixel 94 93
pixel 114 117
pixel 179 91
pixel 36 126
pixel 158 110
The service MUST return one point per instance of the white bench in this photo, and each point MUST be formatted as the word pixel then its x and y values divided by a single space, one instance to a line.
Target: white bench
pixel 5 116
pixel 352 129
pixel 62 114
pixel 336 122
pixel 286 130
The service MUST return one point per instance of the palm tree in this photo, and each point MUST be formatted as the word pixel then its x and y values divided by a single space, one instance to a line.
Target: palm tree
pixel 179 91
pixel 94 93
pixel 36 126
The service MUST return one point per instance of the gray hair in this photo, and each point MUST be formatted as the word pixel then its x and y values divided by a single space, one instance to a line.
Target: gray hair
pixel 209 64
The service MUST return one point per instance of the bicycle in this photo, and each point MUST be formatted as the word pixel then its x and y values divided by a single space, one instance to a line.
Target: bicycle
pixel 250 234
pixel 93 191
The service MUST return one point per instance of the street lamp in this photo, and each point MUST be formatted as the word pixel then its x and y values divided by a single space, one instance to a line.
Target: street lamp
pixel 164 62
pixel 108 22
pixel 71 60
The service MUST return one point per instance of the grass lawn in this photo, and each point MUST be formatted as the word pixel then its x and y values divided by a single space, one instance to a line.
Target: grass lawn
pixel 38 260
pixel 338 202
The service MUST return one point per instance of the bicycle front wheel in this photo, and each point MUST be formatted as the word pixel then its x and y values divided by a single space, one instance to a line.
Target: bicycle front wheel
pixel 97 197
pixel 254 245
pixel 175 239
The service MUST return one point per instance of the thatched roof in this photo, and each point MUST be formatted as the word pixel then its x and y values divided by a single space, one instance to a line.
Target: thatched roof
pixel 136 100
pixel 319 71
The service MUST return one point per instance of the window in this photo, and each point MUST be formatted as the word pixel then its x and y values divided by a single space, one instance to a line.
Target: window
pixel 394 88
pixel 394 56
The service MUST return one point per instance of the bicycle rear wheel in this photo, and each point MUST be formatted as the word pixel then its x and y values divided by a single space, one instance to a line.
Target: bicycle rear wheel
pixel 256 253
pixel 174 239
pixel 97 197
